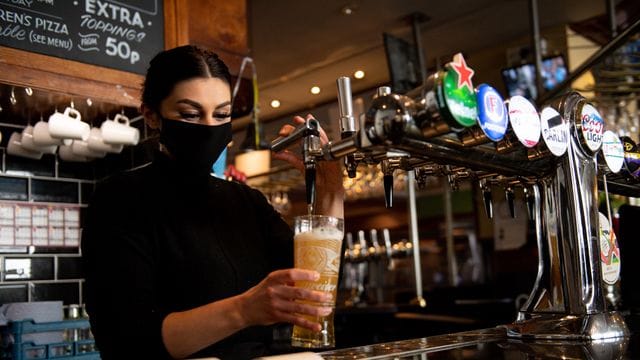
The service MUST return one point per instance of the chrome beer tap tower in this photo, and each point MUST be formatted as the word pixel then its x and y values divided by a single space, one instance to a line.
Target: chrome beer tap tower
pixel 437 131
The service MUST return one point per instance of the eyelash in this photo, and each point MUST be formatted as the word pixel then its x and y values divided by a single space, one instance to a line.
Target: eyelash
pixel 192 116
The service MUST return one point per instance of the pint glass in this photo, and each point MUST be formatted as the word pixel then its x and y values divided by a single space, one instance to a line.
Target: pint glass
pixel 317 246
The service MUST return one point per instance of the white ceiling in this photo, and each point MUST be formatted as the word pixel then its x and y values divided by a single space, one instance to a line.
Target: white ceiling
pixel 300 43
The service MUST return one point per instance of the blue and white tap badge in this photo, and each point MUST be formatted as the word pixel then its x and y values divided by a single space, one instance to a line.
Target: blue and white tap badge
pixel 492 113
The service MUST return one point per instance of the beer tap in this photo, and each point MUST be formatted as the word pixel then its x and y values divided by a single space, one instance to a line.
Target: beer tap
pixel 486 197
pixel 311 149
pixel 510 196
pixel 530 200
pixel 387 170
pixel 347 121
pixel 388 250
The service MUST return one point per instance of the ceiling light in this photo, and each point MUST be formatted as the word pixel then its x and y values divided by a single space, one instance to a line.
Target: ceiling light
pixel 359 74
pixel 315 90
pixel 275 103
pixel 349 9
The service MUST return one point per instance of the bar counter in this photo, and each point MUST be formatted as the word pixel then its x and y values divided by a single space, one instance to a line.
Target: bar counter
pixel 493 344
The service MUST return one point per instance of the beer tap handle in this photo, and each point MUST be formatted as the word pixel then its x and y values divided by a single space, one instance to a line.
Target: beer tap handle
pixel 361 239
pixel 345 106
pixel 387 246
pixel 373 234
pixel 487 198
pixel 510 196
pixel 349 240
pixel 347 121
pixel 309 127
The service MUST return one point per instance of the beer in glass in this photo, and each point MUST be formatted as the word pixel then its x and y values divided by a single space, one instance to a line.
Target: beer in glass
pixel 317 246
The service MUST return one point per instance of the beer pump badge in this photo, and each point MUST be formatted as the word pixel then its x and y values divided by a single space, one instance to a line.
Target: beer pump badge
pixel 609 251
pixel 492 114
pixel 631 157
pixel 524 120
pixel 592 126
pixel 555 131
pixel 458 92
pixel 613 151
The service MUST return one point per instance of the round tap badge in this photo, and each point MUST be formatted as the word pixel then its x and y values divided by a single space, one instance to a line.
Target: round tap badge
pixel 592 126
pixel 458 92
pixel 609 251
pixel 524 120
pixel 613 151
pixel 492 114
pixel 555 131
pixel 631 156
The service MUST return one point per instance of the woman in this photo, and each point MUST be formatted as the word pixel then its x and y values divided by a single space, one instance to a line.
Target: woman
pixel 177 262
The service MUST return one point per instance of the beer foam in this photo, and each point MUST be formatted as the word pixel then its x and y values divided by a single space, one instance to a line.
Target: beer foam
pixel 321 233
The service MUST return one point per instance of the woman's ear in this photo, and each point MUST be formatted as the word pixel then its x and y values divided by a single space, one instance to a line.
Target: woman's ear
pixel 151 118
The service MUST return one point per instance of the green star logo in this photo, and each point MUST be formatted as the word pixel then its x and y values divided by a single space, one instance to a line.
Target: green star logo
pixel 458 92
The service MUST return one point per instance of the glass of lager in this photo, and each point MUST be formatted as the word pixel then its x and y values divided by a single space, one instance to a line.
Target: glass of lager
pixel 317 246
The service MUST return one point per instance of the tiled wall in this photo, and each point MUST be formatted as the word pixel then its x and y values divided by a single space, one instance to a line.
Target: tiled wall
pixel 41 267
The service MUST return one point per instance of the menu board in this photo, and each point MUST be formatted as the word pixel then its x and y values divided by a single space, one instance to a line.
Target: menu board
pixel 123 35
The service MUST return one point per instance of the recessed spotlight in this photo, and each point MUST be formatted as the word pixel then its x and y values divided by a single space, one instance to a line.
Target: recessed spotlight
pixel 359 74
pixel 349 9
pixel 315 90
pixel 275 103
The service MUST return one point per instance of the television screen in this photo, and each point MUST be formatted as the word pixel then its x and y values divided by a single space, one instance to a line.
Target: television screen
pixel 404 68
pixel 521 80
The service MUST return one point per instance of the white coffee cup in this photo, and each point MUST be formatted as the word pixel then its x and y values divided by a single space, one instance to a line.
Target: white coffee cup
pixel 14 147
pixel 29 144
pixel 118 131
pixel 65 152
pixel 68 125
pixel 41 136
pixel 81 148
pixel 97 144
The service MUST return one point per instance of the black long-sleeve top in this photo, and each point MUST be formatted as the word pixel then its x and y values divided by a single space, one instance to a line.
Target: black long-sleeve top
pixel 157 241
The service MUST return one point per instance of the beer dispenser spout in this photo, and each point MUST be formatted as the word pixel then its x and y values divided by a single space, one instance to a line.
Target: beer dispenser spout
pixel 387 171
pixel 311 149
pixel 486 197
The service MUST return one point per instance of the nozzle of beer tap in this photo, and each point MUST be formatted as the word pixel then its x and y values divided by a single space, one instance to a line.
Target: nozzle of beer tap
pixel 310 183
pixel 510 196
pixel 531 202
pixel 487 198
pixel 387 170
pixel 351 165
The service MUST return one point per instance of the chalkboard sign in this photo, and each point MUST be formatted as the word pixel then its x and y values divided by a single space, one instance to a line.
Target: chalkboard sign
pixel 123 35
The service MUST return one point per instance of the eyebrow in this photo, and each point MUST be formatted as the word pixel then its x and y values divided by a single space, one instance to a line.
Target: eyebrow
pixel 197 105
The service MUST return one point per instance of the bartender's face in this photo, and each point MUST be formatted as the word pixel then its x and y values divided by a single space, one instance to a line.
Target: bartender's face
pixel 205 101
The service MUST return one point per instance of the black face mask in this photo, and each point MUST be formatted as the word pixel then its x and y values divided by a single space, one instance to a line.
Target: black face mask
pixel 194 146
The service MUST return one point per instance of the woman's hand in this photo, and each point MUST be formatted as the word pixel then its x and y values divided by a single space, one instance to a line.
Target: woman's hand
pixel 275 299
pixel 329 188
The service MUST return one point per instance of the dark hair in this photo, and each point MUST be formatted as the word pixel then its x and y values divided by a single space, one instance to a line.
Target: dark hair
pixel 172 66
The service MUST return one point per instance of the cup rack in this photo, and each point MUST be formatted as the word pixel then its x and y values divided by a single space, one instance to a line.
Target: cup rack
pixel 73 348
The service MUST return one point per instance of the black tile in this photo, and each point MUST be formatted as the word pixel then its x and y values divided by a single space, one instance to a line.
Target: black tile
pixel 13 188
pixel 69 268
pixel 86 189
pixel 13 293
pixel 68 293
pixel 42 167
pixel 76 170
pixel 56 250
pixel 54 191
pixel 25 268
